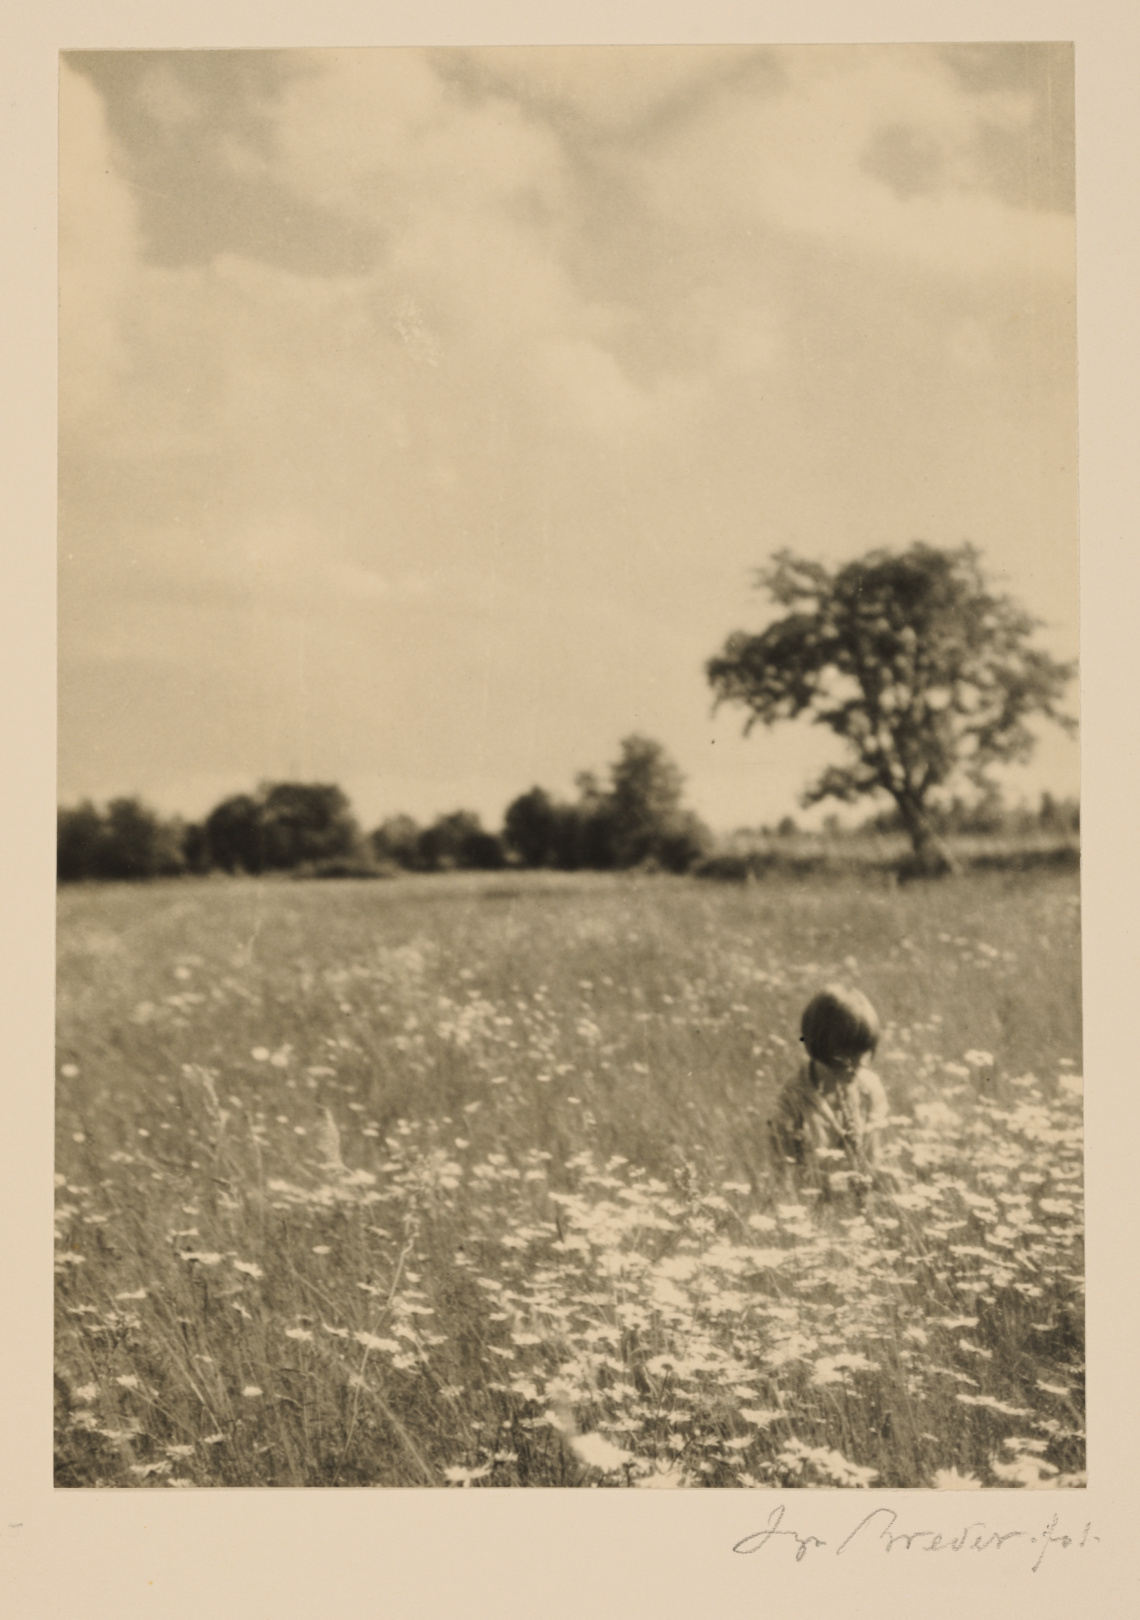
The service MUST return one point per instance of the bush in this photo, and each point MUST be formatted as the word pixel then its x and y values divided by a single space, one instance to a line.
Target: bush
pixel 346 866
pixel 397 839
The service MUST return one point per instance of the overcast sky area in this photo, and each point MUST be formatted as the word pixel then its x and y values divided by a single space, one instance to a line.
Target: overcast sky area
pixel 426 416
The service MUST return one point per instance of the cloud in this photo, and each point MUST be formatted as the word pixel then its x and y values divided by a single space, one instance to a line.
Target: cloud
pixel 591 384
pixel 97 251
pixel 166 98
pixel 873 153
pixel 474 201
pixel 609 90
pixel 484 240
pixel 376 133
pixel 599 331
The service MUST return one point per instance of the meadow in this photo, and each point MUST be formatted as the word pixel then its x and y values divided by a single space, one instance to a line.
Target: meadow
pixel 463 1181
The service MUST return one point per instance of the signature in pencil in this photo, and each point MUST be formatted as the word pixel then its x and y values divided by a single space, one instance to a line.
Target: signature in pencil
pixel 879 1529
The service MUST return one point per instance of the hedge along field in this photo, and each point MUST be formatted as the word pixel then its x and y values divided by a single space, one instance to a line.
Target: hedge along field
pixel 463 1181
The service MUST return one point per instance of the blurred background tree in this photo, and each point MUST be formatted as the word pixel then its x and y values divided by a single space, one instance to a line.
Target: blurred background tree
pixel 530 828
pixel 639 819
pixel 459 840
pixel 397 840
pixel 127 841
pixel 305 822
pixel 234 835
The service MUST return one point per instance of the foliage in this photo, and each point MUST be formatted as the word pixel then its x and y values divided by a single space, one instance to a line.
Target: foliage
pixel 989 816
pixel 305 821
pixel 648 820
pixel 911 659
pixel 639 819
pixel 459 840
pixel 585 829
pixel 361 865
pixel 530 828
pixel 126 841
pixel 428 1189
pixel 233 835
pixel 286 825
pixel 397 839
pixel 196 848
pixel 78 835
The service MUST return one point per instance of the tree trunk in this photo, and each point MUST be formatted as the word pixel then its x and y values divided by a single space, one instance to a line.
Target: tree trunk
pixel 932 856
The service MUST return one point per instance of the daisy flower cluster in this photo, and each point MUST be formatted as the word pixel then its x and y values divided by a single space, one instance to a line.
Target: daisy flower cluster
pixel 364 1213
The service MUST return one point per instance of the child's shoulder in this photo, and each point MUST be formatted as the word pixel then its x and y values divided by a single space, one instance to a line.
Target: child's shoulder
pixel 873 1094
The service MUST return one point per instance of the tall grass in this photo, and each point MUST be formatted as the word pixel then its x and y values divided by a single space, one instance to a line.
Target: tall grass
pixel 464 1181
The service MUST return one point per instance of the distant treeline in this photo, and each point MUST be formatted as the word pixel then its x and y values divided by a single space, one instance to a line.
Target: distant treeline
pixel 983 834
pixel 989 817
pixel 636 818
pixel 984 817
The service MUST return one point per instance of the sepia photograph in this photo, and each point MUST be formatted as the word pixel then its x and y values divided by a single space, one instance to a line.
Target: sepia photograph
pixel 568 949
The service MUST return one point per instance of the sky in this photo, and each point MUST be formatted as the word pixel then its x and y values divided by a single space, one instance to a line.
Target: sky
pixel 426 415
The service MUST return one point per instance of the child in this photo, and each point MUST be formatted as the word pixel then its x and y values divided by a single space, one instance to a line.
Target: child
pixel 830 1117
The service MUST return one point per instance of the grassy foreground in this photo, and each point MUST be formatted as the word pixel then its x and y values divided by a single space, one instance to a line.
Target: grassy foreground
pixel 464 1181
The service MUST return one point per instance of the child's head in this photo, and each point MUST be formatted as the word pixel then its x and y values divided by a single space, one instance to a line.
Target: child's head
pixel 839 1024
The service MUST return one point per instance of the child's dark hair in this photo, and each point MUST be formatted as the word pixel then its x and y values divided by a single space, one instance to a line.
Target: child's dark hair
pixel 839 1023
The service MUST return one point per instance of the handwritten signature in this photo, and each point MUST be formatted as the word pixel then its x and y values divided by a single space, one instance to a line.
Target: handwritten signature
pixel 878 1529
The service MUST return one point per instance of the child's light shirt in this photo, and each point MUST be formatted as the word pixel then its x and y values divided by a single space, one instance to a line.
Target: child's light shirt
pixel 809 1122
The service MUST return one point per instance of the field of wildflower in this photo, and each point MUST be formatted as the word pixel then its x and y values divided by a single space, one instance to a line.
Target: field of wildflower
pixel 463 1181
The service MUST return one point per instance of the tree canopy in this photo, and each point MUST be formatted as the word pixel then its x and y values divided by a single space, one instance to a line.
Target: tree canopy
pixel 530 828
pixel 646 813
pixel 639 819
pixel 910 658
pixel 126 841
pixel 286 824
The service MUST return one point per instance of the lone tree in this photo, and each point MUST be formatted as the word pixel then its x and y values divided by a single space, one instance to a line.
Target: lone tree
pixel 911 659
